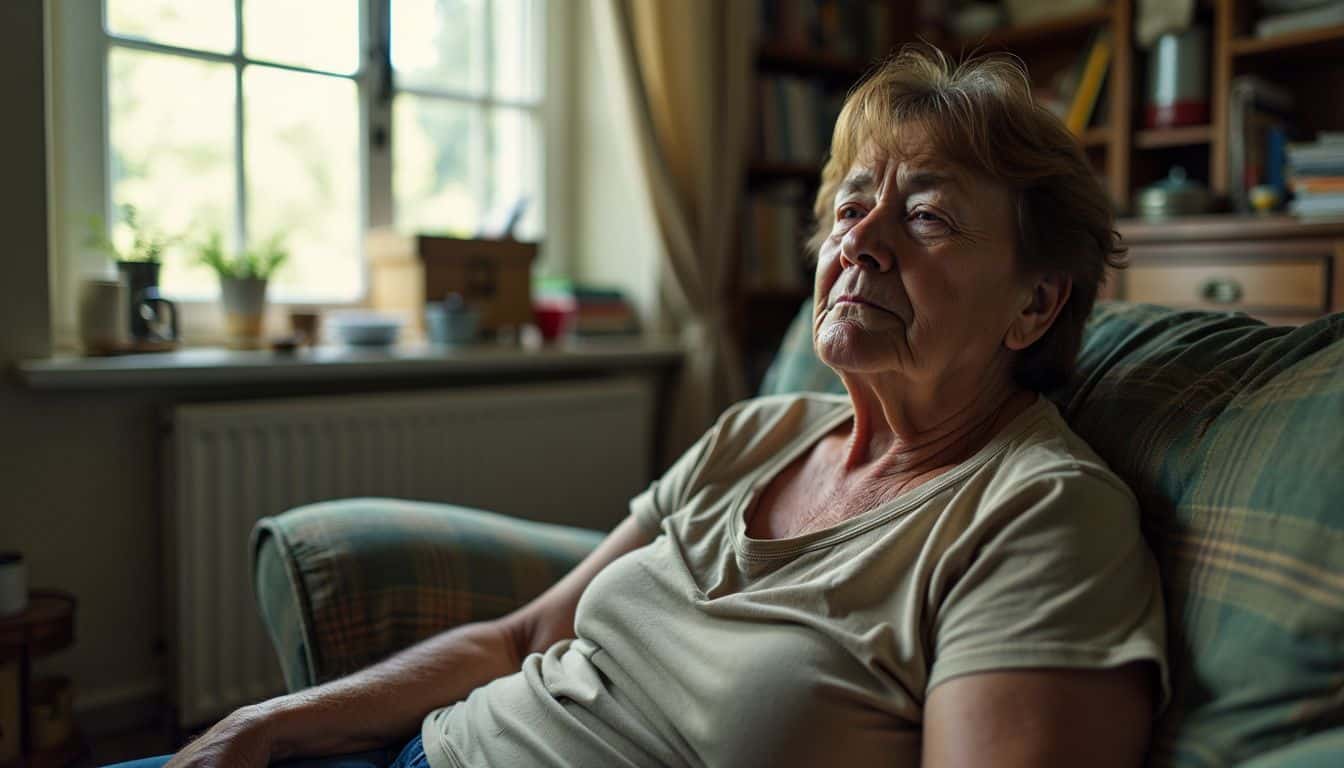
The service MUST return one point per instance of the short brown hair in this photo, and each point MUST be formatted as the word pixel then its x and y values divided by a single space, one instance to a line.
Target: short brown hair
pixel 980 114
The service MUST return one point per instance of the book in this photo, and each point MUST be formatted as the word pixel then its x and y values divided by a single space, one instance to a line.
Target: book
pixel 1084 100
pixel 1319 205
pixel 1256 108
pixel 773 241
pixel 1310 185
pixel 795 119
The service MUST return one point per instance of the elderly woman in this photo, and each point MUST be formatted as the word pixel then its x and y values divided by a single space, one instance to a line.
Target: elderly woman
pixel 932 570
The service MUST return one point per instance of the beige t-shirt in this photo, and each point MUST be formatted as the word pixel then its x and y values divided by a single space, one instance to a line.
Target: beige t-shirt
pixel 707 647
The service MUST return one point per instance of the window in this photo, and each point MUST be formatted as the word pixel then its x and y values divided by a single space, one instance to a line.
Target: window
pixel 315 119
pixel 465 114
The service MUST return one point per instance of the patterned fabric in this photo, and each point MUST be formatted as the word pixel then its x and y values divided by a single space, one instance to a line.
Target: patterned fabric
pixel 368 577
pixel 1231 433
pixel 279 601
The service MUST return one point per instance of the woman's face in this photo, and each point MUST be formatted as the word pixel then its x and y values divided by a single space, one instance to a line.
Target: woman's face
pixel 918 275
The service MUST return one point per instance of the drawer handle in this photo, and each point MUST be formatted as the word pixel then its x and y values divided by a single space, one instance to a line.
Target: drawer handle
pixel 1221 290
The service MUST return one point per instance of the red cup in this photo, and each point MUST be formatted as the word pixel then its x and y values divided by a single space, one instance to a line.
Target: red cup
pixel 553 318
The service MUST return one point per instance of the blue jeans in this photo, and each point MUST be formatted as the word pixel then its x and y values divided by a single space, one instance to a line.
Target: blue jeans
pixel 411 756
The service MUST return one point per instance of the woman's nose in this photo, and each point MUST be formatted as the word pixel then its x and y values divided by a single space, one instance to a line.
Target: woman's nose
pixel 867 245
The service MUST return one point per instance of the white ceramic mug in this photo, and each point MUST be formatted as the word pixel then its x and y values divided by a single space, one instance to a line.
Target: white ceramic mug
pixel 102 315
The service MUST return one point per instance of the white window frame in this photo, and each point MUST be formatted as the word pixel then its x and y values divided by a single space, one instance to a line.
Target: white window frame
pixel 78 157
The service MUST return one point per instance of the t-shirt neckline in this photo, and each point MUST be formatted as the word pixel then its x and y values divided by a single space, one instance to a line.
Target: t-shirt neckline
pixel 770 549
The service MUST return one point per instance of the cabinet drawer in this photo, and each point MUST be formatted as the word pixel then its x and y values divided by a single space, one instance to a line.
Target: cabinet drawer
pixel 1285 286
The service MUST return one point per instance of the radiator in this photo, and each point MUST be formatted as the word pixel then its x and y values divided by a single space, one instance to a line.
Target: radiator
pixel 564 452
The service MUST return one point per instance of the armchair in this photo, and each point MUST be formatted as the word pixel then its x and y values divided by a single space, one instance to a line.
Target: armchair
pixel 1231 434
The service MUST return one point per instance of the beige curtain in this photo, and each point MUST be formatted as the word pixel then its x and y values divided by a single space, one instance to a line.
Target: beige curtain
pixel 685 67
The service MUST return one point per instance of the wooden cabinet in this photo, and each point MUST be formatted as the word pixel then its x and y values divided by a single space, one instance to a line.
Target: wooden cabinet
pixel 1280 269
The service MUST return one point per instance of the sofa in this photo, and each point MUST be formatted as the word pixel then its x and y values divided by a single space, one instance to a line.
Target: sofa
pixel 1230 432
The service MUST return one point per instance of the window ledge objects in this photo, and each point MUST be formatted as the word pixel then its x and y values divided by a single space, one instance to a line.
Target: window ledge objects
pixel 215 367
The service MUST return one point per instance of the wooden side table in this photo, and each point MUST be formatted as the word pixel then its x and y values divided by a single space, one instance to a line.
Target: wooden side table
pixel 46 627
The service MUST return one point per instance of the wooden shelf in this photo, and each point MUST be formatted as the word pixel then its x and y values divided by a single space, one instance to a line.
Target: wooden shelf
pixel 1062 28
pixel 1220 227
pixel 1307 42
pixel 796 61
pixel 1184 136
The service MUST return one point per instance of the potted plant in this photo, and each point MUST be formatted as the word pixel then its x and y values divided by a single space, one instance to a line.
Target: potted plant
pixel 138 266
pixel 242 285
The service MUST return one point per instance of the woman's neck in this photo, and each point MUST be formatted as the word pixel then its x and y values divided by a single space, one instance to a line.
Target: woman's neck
pixel 896 435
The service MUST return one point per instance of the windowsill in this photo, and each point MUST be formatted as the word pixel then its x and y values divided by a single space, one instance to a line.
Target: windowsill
pixel 214 366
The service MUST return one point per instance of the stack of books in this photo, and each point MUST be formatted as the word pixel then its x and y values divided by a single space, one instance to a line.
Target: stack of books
pixel 1317 175
pixel 797 117
pixel 850 29
pixel 601 311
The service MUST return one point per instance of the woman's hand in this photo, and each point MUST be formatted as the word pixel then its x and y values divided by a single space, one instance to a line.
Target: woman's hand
pixel 241 740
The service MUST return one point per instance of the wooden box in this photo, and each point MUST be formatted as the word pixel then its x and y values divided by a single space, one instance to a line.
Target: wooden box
pixel 397 280
pixel 495 276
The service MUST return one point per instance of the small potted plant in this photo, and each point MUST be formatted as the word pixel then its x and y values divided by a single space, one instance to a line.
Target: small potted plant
pixel 242 285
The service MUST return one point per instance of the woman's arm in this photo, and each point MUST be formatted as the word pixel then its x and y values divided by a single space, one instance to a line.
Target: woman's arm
pixel 1040 718
pixel 386 702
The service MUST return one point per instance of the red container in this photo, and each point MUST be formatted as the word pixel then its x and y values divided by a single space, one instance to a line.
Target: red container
pixel 553 317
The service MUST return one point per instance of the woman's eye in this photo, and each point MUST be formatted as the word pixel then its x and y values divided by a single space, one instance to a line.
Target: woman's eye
pixel 848 212
pixel 928 220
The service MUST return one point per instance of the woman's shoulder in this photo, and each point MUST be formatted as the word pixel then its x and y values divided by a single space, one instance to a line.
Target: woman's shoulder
pixel 1044 451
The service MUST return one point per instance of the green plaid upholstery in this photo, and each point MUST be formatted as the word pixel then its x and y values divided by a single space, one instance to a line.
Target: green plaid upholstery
pixel 1231 433
pixel 342 584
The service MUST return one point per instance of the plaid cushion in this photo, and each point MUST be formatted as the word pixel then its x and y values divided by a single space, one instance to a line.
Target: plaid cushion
pixel 363 578
pixel 1231 433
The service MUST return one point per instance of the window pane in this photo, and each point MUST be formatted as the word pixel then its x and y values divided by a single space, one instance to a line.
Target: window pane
pixel 439 44
pixel 515 170
pixel 438 171
pixel 203 24
pixel 171 125
pixel 303 179
pixel 318 34
pixel 517 50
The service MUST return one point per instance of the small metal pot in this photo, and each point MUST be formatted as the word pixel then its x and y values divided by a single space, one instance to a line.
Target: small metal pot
pixel 1175 195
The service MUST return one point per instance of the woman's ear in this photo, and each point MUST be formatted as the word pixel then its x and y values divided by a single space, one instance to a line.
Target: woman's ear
pixel 1042 305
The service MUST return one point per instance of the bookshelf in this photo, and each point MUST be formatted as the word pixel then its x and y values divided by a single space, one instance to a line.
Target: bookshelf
pixel 1126 155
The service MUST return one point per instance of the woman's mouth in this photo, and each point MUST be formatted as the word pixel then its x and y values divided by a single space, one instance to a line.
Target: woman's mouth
pixel 849 298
